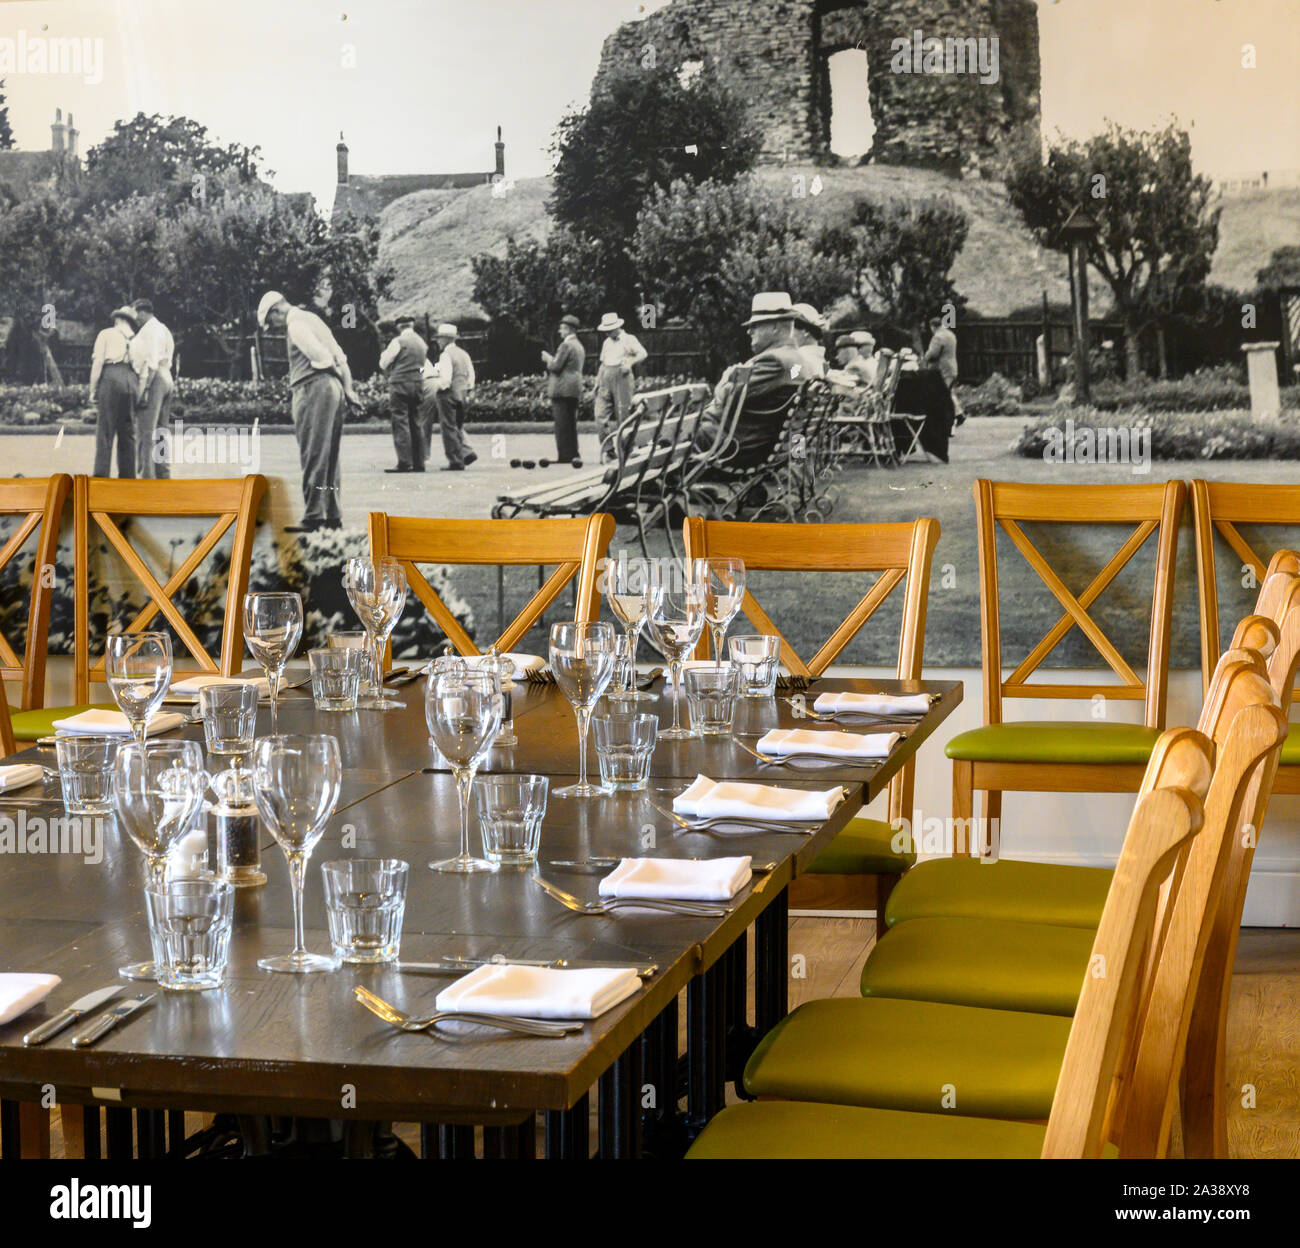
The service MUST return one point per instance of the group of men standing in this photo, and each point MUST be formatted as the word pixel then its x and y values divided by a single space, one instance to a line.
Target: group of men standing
pixel 131 387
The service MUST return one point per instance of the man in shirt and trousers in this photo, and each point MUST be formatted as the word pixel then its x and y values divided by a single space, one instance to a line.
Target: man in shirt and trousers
pixel 152 352
pixel 564 387
pixel 620 353
pixel 403 361
pixel 114 385
pixel 453 381
pixel 941 355
pixel 319 383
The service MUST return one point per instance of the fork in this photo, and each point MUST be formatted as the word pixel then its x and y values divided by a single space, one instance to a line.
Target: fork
pixel 835 717
pixel 738 822
pixel 404 1022
pixel 607 905
pixel 596 861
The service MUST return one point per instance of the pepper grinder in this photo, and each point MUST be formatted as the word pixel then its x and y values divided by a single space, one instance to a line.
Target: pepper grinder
pixel 236 829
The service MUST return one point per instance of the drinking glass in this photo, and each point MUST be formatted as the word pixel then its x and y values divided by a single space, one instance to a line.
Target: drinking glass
pixel 463 711
pixel 335 676
pixel 631 592
pixel 625 743
pixel 229 720
pixel 296 785
pixel 138 669
pixel 365 900
pixel 359 641
pixel 377 591
pixel 582 658
pixel 510 814
pixel 158 790
pixel 676 622
pixel 755 657
pixel 711 699
pixel 724 592
pixel 189 928
pixel 272 628
pixel 86 773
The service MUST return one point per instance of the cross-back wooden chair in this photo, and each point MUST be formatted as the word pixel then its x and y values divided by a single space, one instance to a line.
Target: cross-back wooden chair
pixel 574 546
pixel 1095 756
pixel 36 504
pixel 861 865
pixel 1090 1085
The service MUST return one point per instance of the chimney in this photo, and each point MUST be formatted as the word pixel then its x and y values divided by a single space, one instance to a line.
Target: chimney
pixel 56 131
pixel 342 150
pixel 501 155
pixel 72 137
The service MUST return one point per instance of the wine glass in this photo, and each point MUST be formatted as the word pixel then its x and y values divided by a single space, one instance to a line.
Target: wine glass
pixel 676 622
pixel 463 711
pixel 158 791
pixel 582 658
pixel 296 786
pixel 377 591
pixel 631 591
pixel 272 628
pixel 138 669
pixel 724 593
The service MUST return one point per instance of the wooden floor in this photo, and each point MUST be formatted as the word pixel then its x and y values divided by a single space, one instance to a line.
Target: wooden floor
pixel 1263 1027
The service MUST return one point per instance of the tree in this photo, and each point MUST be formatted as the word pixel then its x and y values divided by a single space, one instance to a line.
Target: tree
pixel 6 133
pixel 643 131
pixel 35 253
pixel 901 253
pixel 535 283
pixel 1158 228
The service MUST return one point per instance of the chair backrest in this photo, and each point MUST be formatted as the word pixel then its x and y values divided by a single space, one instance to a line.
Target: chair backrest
pixel 889 370
pixel 575 546
pixel 899 552
pixel 7 743
pixel 1101 1034
pixel 1152 509
pixel 1218 508
pixel 37 505
pixel 230 503
pixel 708 452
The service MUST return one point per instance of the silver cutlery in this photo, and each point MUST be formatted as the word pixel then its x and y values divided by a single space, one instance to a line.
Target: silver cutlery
pixel 793 760
pixel 742 824
pixel 901 719
pixel 404 1022
pixel 608 905
pixel 456 965
pixel 69 1015
pixel 597 863
pixel 110 1019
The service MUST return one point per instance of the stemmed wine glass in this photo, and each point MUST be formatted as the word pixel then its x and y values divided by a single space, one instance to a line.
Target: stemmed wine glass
pixel 631 592
pixel 377 591
pixel 463 711
pixel 138 669
pixel 158 791
pixel 723 595
pixel 676 622
pixel 582 658
pixel 296 786
pixel 272 629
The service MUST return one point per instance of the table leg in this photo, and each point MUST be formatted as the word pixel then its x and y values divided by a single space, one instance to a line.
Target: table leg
pixel 175 1131
pixel 150 1125
pixel 91 1147
pixel 705 1050
pixel 429 1141
pixel 455 1143
pixel 568 1132
pixel 121 1145
pixel 742 1039
pixel 619 1119
pixel 663 1127
pixel 10 1131
pixel 512 1143
pixel 771 980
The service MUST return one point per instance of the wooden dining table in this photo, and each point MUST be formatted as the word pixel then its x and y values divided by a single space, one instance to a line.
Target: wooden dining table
pixel 301 1045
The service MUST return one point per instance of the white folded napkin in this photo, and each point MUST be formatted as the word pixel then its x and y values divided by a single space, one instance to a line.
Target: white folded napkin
pixel 734 799
pixel 539 991
pixel 202 680
pixel 875 703
pixel 20 991
pixel 15 775
pixel 113 724
pixel 714 879
pixel 793 741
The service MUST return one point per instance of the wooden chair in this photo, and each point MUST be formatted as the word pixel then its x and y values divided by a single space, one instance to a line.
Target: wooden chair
pixel 860 866
pixel 575 545
pixel 37 505
pixel 1097 756
pixel 1101 1038
pixel 7 743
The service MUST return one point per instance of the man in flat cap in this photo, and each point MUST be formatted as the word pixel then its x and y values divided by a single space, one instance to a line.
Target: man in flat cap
pixel 319 383
pixel 114 384
pixel 620 353
pixel 564 387
pixel 453 379
pixel 403 361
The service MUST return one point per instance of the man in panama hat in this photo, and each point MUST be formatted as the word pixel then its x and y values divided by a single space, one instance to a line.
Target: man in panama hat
pixel 620 353
pixel 453 379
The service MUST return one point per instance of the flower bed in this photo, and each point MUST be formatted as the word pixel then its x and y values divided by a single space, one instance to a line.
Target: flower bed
pixel 1221 435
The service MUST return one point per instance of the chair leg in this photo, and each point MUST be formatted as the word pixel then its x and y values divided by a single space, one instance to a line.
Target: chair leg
pixel 992 826
pixel 884 886
pixel 1204 1080
pixel 963 806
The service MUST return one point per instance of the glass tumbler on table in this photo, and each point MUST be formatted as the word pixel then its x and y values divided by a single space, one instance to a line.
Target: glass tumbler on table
pixel 138 671
pixel 86 773
pixel 625 743
pixel 755 657
pixel 359 640
pixel 189 926
pixel 335 677
pixel 365 901
pixel 229 720
pixel 582 658
pixel 676 622
pixel 376 588
pixel 711 699
pixel 510 814
pixel 272 629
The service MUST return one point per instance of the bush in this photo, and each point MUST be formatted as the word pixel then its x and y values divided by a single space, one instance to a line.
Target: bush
pixel 994 397
pixel 1234 435
pixel 1218 389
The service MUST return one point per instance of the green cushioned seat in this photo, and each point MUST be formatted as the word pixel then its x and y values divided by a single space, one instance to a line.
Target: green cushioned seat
pixel 993 963
pixel 891 1054
pixel 862 848
pixel 781 1130
pixel 29 725
pixel 1052 742
pixel 1026 892
pixel 1290 755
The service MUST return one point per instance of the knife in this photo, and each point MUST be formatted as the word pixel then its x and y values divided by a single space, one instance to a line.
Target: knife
pixel 110 1019
pixel 457 965
pixel 66 1017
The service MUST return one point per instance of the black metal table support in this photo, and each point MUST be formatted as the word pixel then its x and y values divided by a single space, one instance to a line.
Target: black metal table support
pixel 568 1132
pixel 150 1131
pixel 175 1132
pixel 619 1107
pixel 742 1039
pixel 771 979
pixel 455 1143
pixel 90 1132
pixel 120 1144
pixel 513 1143
pixel 10 1131
pixel 705 1047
